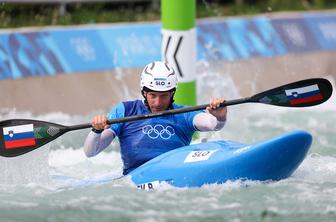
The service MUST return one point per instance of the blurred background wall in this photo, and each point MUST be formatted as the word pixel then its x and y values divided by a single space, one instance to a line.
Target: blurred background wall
pixel 72 56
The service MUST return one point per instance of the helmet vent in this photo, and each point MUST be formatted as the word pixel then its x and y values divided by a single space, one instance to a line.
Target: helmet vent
pixel 167 66
pixel 158 76
pixel 152 65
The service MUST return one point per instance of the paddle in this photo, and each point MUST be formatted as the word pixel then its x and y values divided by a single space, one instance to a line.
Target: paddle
pixel 19 136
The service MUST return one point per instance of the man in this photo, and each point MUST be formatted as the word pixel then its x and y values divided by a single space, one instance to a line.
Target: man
pixel 143 140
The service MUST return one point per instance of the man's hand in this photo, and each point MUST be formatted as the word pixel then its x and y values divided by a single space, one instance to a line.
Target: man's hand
pixel 217 111
pixel 99 122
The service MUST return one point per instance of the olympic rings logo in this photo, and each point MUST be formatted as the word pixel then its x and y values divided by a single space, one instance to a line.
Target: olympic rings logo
pixel 158 131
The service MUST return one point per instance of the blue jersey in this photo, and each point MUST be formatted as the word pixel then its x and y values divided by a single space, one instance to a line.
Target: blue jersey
pixel 143 140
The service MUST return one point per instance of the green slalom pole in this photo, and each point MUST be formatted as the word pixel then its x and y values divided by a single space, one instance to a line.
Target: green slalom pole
pixel 179 45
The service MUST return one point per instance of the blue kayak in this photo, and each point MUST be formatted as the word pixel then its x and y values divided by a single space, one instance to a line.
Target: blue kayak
pixel 219 161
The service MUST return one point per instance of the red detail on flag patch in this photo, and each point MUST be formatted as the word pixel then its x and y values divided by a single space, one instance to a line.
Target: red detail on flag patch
pixel 306 100
pixel 19 143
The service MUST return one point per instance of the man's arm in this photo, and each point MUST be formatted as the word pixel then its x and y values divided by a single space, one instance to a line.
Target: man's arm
pixel 207 122
pixel 96 142
pixel 217 111
pixel 214 120
pixel 100 136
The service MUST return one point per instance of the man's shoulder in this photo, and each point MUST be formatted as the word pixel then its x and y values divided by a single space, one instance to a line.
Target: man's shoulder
pixel 134 107
pixel 132 103
pixel 124 108
pixel 177 106
pixel 193 113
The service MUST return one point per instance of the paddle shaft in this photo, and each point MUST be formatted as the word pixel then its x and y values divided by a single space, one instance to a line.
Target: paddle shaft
pixel 303 93
pixel 163 113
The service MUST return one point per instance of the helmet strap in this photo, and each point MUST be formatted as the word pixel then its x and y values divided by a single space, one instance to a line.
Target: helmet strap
pixel 145 101
pixel 172 100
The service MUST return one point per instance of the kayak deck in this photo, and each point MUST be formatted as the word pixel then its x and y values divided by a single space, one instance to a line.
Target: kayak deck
pixel 220 161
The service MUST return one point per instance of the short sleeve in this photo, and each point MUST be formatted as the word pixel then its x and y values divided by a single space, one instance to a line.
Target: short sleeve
pixel 117 111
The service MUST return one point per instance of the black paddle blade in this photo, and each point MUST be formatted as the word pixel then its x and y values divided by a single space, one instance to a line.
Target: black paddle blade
pixel 309 92
pixel 19 136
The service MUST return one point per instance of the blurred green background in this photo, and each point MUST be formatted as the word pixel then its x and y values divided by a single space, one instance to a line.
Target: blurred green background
pixel 17 14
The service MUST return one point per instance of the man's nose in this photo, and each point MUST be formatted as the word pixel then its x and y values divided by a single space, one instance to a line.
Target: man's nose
pixel 157 101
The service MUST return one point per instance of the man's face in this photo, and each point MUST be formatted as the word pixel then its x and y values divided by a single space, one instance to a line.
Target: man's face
pixel 158 101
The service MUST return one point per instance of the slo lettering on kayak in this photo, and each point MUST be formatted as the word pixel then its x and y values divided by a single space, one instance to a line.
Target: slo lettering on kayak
pixel 199 155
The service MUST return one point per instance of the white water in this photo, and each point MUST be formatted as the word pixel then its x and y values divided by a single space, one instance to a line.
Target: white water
pixel 33 188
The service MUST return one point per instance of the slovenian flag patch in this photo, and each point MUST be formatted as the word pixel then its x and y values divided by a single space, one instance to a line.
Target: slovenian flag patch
pixel 304 94
pixel 19 136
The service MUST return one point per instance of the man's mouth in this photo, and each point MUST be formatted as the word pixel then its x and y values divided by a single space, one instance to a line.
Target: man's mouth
pixel 157 109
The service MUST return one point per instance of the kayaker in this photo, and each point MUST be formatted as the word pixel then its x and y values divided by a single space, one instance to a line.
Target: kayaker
pixel 143 140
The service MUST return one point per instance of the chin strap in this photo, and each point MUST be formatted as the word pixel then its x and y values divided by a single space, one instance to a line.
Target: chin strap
pixel 171 100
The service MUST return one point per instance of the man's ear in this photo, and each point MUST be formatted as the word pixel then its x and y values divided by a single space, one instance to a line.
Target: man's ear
pixel 144 94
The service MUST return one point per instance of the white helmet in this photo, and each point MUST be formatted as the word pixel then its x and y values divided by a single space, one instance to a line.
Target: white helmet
pixel 158 76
